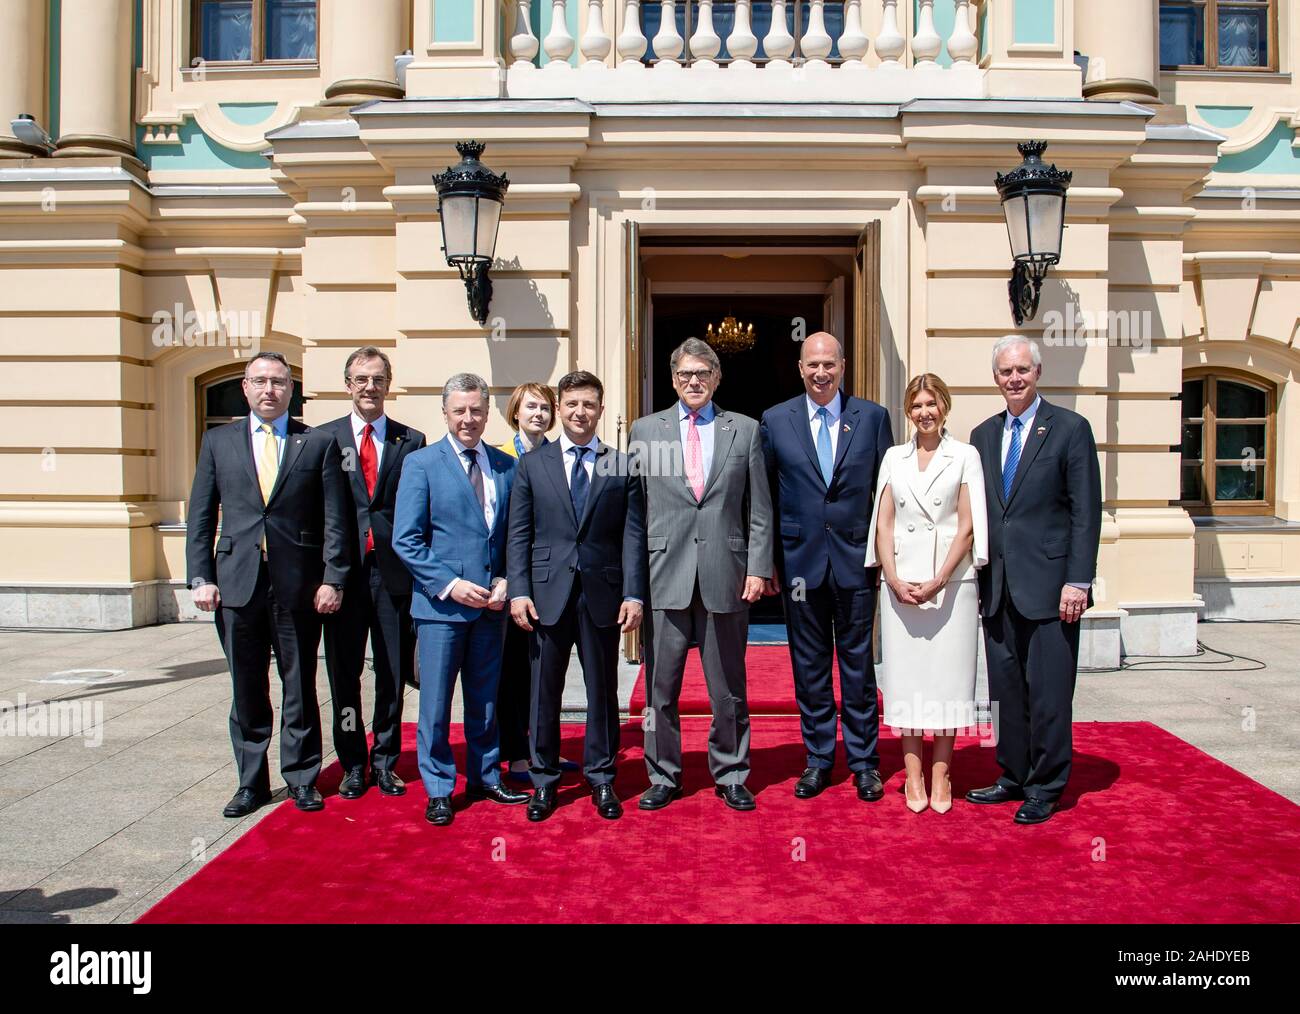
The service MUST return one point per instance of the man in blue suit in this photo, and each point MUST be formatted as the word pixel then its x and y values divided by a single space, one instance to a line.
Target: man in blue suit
pixel 823 452
pixel 450 531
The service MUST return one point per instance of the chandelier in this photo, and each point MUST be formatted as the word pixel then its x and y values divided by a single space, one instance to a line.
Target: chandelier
pixel 731 336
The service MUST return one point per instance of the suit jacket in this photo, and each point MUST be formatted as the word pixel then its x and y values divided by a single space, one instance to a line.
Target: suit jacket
pixel 547 543
pixel 439 532
pixel 304 523
pixel 823 526
pixel 721 539
pixel 375 513
pixel 926 515
pixel 1047 532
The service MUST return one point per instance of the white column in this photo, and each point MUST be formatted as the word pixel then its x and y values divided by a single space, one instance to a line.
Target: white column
pixel 705 43
pixel 890 44
pixel 667 42
pixel 816 44
pixel 364 39
pixel 854 42
pixel 963 45
pixel 558 42
pixel 95 79
pixel 596 42
pixel 926 42
pixel 631 41
pixel 22 71
pixel 742 43
pixel 779 44
pixel 523 44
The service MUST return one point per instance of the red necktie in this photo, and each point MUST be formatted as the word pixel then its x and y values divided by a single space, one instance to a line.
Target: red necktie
pixel 370 472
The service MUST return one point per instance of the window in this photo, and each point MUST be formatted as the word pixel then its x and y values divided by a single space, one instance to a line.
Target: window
pixel 220 399
pixel 255 31
pixel 1218 34
pixel 724 20
pixel 1229 444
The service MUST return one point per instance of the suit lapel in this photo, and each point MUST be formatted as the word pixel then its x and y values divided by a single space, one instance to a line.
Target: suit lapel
pixel 599 479
pixel 394 439
pixel 460 479
pixel 500 478
pixel 1033 443
pixel 294 441
pixel 803 433
pixel 724 435
pixel 848 427
pixel 943 457
pixel 346 440
pixel 553 462
pixel 244 440
pixel 991 453
pixel 915 478
pixel 672 432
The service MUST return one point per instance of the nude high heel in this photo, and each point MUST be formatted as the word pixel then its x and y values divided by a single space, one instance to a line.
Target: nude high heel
pixel 944 805
pixel 916 805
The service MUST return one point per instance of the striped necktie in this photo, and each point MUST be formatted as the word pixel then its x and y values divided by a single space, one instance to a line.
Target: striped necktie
pixel 1013 459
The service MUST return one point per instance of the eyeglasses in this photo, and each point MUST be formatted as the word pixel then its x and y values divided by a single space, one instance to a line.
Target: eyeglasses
pixel 686 376
pixel 364 382
pixel 277 383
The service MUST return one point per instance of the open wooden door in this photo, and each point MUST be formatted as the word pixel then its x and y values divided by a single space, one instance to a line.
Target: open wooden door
pixel 833 308
pixel 634 371
pixel 865 365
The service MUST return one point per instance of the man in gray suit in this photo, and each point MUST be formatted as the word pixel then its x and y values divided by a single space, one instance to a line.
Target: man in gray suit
pixel 709 542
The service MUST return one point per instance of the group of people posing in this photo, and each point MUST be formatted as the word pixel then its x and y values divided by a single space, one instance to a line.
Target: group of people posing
pixel 494 564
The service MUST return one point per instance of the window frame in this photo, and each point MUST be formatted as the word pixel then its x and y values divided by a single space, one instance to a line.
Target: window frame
pixel 257 44
pixel 220 375
pixel 1212 507
pixel 1209 12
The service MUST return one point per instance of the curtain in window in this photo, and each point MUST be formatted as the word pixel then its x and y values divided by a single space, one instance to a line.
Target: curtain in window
pixel 290 29
pixel 1243 37
pixel 226 31
pixel 1182 36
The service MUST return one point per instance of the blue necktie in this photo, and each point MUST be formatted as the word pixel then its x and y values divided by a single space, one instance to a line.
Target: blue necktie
pixel 825 456
pixel 580 484
pixel 1013 459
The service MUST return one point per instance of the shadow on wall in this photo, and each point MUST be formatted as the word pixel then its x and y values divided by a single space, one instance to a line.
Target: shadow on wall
pixel 530 350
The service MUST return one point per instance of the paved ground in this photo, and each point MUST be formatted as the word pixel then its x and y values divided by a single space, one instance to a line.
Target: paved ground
pixel 100 820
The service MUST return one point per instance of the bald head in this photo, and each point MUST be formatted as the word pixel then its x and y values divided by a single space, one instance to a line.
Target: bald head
pixel 821 366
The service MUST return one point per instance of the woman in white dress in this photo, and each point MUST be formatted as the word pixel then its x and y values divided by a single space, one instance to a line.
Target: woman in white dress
pixel 929 531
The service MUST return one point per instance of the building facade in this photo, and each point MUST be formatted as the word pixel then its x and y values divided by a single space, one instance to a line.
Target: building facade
pixel 200 179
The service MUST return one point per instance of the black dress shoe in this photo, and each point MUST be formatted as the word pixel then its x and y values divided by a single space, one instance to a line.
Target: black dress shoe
pixel 812 782
pixel 658 796
pixel 388 781
pixel 606 803
pixel 995 793
pixel 306 798
pixel 353 785
pixel 244 802
pixel 498 793
pixel 542 805
pixel 868 784
pixel 1035 811
pixel 438 812
pixel 736 796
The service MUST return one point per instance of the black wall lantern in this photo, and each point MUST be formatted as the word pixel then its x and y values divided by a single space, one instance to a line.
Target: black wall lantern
pixel 1033 200
pixel 469 203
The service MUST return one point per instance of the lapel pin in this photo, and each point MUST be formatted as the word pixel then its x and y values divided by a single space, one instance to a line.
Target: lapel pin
pixel 847 427
pixel 1042 430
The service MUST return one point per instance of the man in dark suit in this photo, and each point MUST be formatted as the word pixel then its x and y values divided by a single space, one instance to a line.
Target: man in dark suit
pixel 577 573
pixel 280 564
pixel 377 598
pixel 823 452
pixel 449 530
pixel 1043 487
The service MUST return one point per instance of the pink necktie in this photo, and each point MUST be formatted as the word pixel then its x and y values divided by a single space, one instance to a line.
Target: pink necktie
pixel 694 457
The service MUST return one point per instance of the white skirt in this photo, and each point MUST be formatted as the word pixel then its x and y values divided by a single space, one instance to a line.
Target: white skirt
pixel 928 656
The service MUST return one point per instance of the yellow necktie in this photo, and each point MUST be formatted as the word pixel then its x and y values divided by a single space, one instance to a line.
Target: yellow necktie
pixel 268 465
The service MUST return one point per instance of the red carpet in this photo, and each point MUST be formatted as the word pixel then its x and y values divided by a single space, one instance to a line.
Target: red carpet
pixel 1185 839
pixel 767 672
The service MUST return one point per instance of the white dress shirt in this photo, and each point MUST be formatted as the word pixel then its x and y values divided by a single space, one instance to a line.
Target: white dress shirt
pixel 833 410
pixel 704 424
pixel 279 432
pixel 1027 418
pixel 377 436
pixel 489 491
pixel 588 463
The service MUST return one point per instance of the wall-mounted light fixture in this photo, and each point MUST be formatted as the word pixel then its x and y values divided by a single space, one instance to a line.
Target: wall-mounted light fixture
pixel 470 197
pixel 1033 200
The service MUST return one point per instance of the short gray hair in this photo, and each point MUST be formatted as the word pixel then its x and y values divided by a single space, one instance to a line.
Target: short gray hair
pixel 362 354
pixel 464 382
pixel 1010 341
pixel 698 349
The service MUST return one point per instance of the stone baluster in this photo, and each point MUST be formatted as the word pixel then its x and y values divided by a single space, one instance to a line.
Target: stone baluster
pixel 926 42
pixel 854 42
pixel 631 42
pixel 816 43
pixel 963 45
pixel 668 42
pixel 705 43
pixel 890 44
pixel 779 43
pixel 558 42
pixel 523 44
pixel 742 44
pixel 596 43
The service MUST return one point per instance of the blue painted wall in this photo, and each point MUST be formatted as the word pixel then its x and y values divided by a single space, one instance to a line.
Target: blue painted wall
pixel 195 151
pixel 56 63
pixel 1226 117
pixel 453 20
pixel 1274 154
pixel 1035 21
